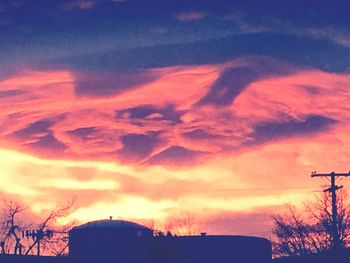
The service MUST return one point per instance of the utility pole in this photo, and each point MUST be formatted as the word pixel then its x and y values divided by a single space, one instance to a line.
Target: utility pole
pixel 38 249
pixel 333 190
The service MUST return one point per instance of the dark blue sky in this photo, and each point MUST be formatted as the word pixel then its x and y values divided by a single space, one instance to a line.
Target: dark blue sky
pixel 127 35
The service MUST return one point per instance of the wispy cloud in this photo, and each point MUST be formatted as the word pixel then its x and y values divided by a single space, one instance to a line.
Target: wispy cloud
pixel 341 37
pixel 191 16
pixel 276 24
pixel 79 4
pixel 149 122
pixel 244 25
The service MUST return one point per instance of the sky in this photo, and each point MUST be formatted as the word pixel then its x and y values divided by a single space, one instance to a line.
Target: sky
pixel 158 110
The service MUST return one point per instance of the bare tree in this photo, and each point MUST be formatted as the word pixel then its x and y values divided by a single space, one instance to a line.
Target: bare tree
pixel 185 224
pixel 297 234
pixel 53 238
pixel 11 227
pixel 19 236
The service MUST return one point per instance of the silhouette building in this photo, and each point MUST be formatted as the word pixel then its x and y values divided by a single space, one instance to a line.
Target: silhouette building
pixel 127 242
pixel 103 240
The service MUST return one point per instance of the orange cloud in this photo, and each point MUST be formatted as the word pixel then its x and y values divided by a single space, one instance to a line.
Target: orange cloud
pixel 124 150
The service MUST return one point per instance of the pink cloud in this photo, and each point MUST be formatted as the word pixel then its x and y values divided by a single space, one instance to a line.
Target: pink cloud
pixel 79 4
pixel 95 126
pixel 266 123
pixel 190 16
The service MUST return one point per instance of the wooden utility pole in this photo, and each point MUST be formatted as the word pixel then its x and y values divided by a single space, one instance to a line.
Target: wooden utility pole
pixel 333 190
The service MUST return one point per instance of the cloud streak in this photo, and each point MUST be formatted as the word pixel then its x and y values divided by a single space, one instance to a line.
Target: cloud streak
pixel 79 4
pixel 191 16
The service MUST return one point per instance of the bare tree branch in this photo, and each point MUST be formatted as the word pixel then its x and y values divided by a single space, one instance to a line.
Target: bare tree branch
pixel 15 226
pixel 311 233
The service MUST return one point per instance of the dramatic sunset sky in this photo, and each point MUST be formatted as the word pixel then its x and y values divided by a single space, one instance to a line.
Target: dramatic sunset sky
pixel 155 109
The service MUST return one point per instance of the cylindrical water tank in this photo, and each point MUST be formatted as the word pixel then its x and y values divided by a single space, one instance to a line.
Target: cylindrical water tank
pixel 110 241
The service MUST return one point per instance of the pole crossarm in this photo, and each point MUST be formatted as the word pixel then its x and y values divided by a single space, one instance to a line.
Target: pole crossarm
pixel 315 174
pixel 330 189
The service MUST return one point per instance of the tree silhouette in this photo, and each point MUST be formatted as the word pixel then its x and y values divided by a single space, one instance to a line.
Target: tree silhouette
pixel 11 227
pixel 297 234
pixel 184 224
pixel 20 236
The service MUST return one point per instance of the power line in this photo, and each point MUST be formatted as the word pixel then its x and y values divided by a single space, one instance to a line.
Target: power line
pixel 279 189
